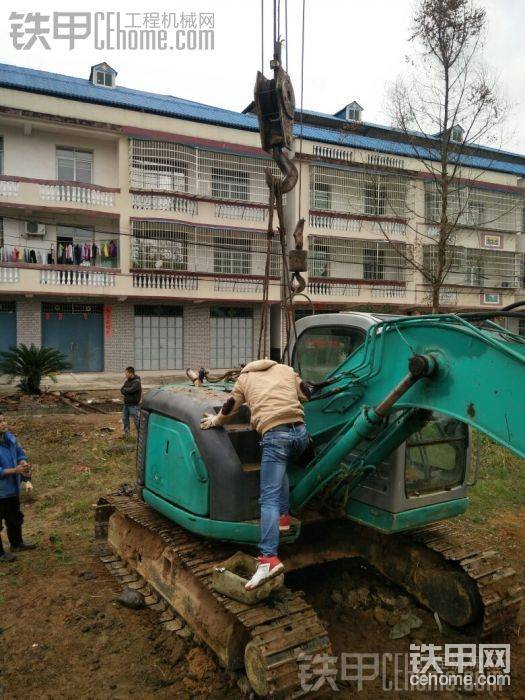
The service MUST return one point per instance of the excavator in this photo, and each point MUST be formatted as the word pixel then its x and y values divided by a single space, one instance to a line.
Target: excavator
pixel 394 403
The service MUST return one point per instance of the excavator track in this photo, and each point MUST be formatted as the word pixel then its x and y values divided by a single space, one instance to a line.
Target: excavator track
pixel 276 631
pixel 495 581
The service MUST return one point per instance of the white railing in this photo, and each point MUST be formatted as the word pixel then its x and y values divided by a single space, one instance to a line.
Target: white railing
pixel 9 188
pixel 77 194
pixel 334 289
pixel 77 278
pixel 448 296
pixel 9 275
pixel 241 284
pixel 332 152
pixel 158 280
pixel 234 211
pixel 388 291
pixel 385 160
pixel 390 228
pixel 336 223
pixel 165 203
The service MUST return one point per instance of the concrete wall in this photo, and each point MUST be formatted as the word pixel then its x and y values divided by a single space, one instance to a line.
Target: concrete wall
pixel 119 348
pixel 34 155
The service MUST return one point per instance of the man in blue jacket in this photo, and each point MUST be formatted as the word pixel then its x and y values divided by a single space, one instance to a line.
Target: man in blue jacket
pixel 13 470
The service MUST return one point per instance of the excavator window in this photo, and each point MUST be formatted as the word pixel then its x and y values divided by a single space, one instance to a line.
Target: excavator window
pixel 320 349
pixel 436 456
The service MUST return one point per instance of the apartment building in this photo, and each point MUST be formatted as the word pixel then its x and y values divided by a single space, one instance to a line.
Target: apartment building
pixel 133 225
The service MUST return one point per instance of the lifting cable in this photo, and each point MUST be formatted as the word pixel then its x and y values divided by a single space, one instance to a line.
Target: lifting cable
pixel 275 107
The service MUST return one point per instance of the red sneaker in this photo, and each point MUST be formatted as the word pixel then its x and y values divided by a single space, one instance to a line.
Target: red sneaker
pixel 267 568
pixel 284 523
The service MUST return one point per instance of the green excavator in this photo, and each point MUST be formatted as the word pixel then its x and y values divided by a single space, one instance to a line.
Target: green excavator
pixel 394 404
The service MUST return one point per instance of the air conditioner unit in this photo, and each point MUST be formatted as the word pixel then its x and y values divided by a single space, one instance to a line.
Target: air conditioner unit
pixel 34 229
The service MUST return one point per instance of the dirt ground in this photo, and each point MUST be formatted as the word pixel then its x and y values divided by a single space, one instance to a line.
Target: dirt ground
pixel 63 635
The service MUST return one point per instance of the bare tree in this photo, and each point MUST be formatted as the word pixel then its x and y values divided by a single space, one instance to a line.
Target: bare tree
pixel 445 107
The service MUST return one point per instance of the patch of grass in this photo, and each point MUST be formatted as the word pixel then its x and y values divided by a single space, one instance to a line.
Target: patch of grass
pixel 501 482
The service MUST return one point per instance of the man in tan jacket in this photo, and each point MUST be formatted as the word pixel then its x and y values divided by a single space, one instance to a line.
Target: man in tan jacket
pixel 274 393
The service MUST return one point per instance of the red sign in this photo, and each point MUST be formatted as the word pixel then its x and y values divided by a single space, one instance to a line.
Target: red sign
pixel 108 313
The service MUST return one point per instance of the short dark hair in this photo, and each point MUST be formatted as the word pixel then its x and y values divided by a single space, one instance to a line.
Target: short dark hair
pixel 130 369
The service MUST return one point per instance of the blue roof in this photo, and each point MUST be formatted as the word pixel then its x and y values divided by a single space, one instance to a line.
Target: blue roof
pixel 55 84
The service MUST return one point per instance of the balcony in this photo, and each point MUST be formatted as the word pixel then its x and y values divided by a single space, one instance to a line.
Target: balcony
pixel 78 194
pixel 164 280
pixel 345 193
pixel 333 288
pixel 36 192
pixel 78 277
pixel 20 278
pixel 9 275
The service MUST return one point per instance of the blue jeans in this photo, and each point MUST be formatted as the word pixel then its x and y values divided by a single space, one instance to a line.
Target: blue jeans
pixel 128 411
pixel 279 448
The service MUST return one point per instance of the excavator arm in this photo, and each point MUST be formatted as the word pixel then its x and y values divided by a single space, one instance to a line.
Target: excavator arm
pixel 406 367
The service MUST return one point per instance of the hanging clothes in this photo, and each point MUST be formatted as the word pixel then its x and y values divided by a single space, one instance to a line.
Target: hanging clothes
pixel 32 256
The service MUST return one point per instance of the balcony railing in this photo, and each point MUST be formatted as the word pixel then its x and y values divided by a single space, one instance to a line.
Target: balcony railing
pixel 78 194
pixel 387 291
pixel 9 275
pixel 240 284
pixel 163 280
pixel 9 188
pixel 162 202
pixel 333 288
pixel 77 278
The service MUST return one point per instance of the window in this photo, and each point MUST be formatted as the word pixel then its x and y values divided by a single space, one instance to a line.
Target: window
pixel 436 456
pixel 168 175
pixel 318 259
pixel 492 298
pixel 74 165
pixel 159 248
pixel 321 196
pixel 104 78
pixel 1 232
pixel 375 196
pixel 320 349
pixel 373 264
pixel 230 184
pixel 521 327
pixel 1 155
pixel 231 255
pixel 456 134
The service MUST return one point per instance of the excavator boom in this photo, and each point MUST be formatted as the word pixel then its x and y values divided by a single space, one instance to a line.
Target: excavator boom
pixel 433 363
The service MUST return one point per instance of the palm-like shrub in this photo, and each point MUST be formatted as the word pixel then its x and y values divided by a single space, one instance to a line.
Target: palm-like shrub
pixel 32 364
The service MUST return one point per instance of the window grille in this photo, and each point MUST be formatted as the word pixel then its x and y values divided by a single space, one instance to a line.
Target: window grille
pixel 521 327
pixel 475 207
pixel 170 245
pixel 69 308
pixel 173 167
pixel 7 307
pixel 1 155
pixel 357 259
pixel 231 254
pixel 476 267
pixel 358 192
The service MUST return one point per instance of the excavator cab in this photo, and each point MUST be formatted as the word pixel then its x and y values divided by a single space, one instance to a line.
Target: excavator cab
pixel 425 478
